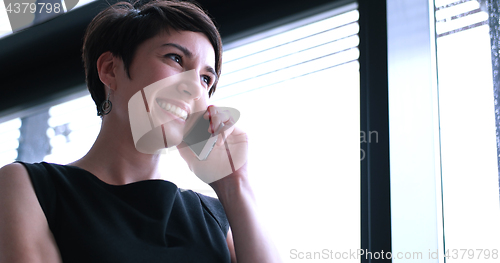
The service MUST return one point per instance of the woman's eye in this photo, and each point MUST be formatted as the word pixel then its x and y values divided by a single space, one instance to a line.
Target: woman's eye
pixel 175 57
pixel 206 79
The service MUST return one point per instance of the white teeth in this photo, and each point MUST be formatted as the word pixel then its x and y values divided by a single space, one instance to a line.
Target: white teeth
pixel 173 109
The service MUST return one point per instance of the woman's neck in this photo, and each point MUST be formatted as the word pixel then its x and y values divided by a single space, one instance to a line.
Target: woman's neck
pixel 114 159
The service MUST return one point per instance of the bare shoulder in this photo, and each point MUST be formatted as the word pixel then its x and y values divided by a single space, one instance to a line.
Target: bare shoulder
pixel 15 186
pixel 24 232
pixel 11 174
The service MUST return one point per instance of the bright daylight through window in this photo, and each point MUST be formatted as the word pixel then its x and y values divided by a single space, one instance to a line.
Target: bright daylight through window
pixel 467 120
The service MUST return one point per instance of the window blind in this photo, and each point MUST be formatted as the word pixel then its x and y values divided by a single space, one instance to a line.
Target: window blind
pixel 453 16
pixel 297 52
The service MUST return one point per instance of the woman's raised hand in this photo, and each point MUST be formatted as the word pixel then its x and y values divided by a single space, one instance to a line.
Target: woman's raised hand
pixel 230 152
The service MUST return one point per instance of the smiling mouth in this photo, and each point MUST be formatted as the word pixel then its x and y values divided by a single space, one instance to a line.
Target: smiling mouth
pixel 172 109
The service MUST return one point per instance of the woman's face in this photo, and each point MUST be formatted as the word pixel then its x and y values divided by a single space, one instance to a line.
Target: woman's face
pixel 171 97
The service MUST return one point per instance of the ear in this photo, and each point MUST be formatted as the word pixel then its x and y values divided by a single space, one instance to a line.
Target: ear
pixel 106 64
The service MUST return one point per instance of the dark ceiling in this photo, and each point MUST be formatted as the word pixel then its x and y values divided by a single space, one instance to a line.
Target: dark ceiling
pixel 43 61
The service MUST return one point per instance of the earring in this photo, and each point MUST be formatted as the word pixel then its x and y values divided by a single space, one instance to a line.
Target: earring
pixel 106 106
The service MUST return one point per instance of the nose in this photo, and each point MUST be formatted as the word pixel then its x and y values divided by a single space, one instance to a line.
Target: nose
pixel 190 86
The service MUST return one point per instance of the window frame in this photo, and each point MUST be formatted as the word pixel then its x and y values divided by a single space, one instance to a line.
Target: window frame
pixel 375 169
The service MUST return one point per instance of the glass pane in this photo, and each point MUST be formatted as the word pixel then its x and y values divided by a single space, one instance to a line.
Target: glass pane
pixel 73 128
pixel 9 141
pixel 467 121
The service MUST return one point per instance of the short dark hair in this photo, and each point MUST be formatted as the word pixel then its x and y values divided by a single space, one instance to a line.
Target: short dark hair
pixel 122 27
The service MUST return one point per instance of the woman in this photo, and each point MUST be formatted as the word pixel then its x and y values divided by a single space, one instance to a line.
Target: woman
pixel 109 206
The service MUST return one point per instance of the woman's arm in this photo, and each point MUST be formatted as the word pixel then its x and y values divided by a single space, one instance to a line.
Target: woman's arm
pixel 24 232
pixel 225 170
pixel 251 243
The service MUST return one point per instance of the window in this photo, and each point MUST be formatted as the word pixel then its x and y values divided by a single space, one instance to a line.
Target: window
pixel 444 174
pixel 467 126
pixel 73 128
pixel 298 94
pixel 9 140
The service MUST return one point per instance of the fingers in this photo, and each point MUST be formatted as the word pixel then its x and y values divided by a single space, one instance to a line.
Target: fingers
pixel 220 120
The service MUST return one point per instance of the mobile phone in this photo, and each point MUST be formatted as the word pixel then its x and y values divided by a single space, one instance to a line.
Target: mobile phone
pixel 199 140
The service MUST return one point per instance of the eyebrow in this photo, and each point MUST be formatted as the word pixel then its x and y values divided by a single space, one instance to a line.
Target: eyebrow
pixel 189 54
pixel 184 50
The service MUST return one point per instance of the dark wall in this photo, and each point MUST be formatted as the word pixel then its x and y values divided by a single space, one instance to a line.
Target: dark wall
pixel 44 61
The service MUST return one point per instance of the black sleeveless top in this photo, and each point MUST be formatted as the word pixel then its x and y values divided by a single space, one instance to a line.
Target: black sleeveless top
pixel 147 221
